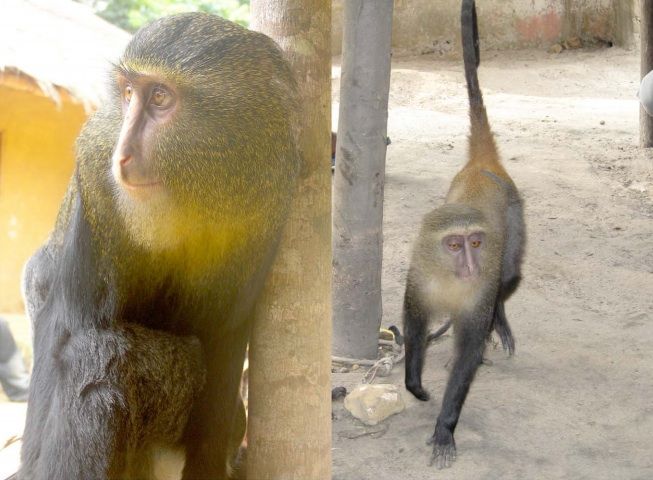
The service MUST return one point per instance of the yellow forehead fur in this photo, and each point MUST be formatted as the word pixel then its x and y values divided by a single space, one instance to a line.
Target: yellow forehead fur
pixel 158 71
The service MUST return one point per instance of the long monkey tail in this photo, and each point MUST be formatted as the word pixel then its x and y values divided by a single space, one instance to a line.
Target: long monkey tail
pixel 471 52
pixel 481 139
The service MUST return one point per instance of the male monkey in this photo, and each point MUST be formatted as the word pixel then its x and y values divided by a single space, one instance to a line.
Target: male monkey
pixel 182 185
pixel 466 261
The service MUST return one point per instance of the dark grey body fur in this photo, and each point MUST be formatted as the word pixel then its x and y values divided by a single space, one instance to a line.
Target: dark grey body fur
pixel 142 310
pixel 482 198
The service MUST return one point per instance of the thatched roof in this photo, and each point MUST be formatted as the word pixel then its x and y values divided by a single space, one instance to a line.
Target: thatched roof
pixel 59 43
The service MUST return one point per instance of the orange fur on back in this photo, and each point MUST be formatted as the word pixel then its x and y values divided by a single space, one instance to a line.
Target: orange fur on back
pixel 471 185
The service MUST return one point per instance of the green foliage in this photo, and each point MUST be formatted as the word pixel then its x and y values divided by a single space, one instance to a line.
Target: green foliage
pixel 130 15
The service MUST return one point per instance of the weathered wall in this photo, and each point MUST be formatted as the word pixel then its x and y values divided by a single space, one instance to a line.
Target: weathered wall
pixel 428 26
pixel 36 162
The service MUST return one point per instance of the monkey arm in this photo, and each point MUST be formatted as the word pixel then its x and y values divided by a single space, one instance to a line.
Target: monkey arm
pixel 415 338
pixel 219 412
pixel 118 392
pixel 470 343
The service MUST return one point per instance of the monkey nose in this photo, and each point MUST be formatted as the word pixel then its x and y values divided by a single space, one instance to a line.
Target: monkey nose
pixel 125 160
pixel 469 263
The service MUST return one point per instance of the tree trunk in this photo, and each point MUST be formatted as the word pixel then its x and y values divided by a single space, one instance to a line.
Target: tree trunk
pixel 360 176
pixel 646 65
pixel 289 430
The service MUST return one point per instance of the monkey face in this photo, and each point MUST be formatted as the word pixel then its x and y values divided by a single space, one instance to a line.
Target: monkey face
pixel 147 105
pixel 197 139
pixel 465 250
pixel 195 128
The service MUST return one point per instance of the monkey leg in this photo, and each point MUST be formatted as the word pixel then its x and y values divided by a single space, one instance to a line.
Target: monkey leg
pixel 114 392
pixel 415 323
pixel 215 421
pixel 470 343
pixel 164 374
pixel 511 267
pixel 502 328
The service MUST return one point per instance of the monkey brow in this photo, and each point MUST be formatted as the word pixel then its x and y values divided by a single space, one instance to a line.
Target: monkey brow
pixel 120 67
pixel 127 71
pixel 134 73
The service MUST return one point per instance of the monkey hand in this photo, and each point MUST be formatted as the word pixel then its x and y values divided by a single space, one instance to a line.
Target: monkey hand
pixel 418 391
pixel 444 448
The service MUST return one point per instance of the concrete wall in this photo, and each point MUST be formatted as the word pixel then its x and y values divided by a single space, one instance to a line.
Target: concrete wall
pixel 433 26
pixel 36 162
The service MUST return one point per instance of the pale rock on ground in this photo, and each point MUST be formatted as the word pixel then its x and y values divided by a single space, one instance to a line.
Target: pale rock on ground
pixel 372 404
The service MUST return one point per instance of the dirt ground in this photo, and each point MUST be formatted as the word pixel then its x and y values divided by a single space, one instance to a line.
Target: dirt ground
pixel 575 400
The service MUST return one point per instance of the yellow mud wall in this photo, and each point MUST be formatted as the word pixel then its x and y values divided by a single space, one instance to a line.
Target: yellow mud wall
pixel 36 161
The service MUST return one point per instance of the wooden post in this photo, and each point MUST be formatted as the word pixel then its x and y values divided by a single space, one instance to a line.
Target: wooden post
pixel 646 65
pixel 622 23
pixel 289 430
pixel 359 177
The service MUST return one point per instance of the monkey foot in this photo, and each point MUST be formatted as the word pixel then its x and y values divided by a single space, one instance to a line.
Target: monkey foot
pixel 443 454
pixel 507 342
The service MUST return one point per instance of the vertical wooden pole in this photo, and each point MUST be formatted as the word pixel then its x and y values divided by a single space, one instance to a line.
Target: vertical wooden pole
pixel 359 177
pixel 622 23
pixel 289 431
pixel 646 65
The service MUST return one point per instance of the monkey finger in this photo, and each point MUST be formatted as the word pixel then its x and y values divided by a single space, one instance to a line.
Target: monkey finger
pixel 443 456
pixel 419 393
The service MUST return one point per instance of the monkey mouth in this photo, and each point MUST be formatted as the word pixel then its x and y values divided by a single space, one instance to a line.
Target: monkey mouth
pixel 142 190
pixel 139 186
pixel 134 183
pixel 468 276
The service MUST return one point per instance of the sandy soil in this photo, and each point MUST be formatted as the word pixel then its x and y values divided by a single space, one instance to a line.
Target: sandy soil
pixel 575 400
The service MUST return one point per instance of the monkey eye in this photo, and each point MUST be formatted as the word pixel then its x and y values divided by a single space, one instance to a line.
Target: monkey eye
pixel 453 243
pixel 160 97
pixel 476 243
pixel 128 93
